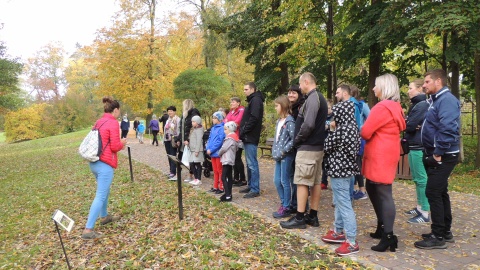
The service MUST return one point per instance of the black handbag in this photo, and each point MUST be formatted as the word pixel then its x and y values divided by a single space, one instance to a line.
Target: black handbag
pixel 405 146
pixel 174 143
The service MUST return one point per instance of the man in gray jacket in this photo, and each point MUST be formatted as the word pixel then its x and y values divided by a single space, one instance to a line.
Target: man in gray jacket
pixel 309 140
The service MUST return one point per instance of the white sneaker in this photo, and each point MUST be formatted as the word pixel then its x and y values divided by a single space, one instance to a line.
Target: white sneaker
pixel 188 180
pixel 196 182
pixel 173 178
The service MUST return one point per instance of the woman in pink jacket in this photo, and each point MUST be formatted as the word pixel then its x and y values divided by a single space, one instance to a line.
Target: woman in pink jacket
pixel 235 114
pixel 381 132
pixel 103 169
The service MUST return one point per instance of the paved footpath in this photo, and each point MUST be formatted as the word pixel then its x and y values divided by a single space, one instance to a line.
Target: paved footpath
pixel 463 254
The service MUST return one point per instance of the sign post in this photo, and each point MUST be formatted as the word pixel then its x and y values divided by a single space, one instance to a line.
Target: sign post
pixel 67 223
pixel 130 162
pixel 179 183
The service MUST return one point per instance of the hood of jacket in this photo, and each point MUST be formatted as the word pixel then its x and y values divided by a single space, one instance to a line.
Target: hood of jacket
pixel 234 136
pixel 398 117
pixel 344 113
pixel 256 94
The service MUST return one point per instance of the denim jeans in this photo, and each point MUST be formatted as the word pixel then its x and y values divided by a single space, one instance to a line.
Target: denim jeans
pixel 252 167
pixel 104 176
pixel 344 214
pixel 282 180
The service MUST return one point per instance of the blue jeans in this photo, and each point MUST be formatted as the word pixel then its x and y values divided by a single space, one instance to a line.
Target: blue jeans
pixel 252 167
pixel 344 215
pixel 282 179
pixel 104 176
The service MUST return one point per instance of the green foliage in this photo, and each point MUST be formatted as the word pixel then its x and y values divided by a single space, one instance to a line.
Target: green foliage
pixel 11 96
pixel 204 87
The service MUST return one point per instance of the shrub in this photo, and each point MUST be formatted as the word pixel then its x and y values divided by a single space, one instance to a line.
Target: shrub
pixel 25 124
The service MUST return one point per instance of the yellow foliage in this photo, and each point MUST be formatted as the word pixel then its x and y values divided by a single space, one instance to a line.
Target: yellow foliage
pixel 25 124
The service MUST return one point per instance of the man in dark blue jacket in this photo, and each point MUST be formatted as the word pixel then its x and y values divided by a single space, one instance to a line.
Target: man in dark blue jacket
pixel 441 141
pixel 250 129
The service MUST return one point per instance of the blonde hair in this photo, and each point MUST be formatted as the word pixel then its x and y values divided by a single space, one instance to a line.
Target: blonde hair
pixel 187 105
pixel 284 104
pixel 418 83
pixel 388 84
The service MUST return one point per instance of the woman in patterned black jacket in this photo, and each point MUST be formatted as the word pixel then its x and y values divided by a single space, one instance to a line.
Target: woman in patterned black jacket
pixel 342 145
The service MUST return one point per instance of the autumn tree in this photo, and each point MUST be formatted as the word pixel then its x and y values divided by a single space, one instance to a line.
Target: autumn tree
pixel 45 72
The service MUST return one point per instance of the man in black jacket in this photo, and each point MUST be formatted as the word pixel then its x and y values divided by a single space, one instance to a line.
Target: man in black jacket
pixel 309 140
pixel 250 129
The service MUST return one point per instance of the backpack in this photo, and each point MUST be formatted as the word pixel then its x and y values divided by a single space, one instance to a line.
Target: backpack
pixel 91 147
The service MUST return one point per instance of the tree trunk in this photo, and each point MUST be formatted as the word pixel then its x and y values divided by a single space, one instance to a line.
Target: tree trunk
pixel 477 105
pixel 374 64
pixel 444 49
pixel 330 82
pixel 151 7
pixel 284 81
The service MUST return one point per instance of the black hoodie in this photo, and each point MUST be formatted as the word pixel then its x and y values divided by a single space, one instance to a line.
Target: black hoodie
pixel 251 125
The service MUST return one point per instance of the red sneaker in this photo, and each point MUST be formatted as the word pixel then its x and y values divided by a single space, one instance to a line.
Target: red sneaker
pixel 333 237
pixel 323 186
pixel 346 249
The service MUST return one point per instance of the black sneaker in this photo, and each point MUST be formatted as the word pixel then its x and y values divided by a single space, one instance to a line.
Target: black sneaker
pixel 219 191
pixel 224 198
pixel 293 223
pixel 240 183
pixel 213 190
pixel 448 237
pixel 246 190
pixel 251 195
pixel 312 221
pixel 431 243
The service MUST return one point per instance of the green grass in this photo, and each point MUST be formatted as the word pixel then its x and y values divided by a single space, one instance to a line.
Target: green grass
pixel 2 137
pixel 465 176
pixel 42 175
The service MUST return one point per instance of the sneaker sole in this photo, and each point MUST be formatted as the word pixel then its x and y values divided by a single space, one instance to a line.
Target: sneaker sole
pixel 296 227
pixel 353 252
pixel 446 240
pixel 333 241
pixel 434 247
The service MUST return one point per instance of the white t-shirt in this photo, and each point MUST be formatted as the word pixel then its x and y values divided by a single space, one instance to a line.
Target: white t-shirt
pixel 279 127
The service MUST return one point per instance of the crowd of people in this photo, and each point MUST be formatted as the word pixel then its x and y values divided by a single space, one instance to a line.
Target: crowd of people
pixel 315 139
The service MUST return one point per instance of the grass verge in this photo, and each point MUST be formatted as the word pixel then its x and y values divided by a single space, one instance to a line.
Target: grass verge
pixel 42 175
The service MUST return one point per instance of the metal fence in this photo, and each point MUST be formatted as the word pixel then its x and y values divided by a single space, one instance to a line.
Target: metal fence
pixel 469 126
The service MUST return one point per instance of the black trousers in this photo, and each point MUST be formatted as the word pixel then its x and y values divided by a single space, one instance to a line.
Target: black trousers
pixel 155 139
pixel 239 168
pixel 227 179
pixel 196 167
pixel 171 151
pixel 359 177
pixel 124 133
pixel 437 193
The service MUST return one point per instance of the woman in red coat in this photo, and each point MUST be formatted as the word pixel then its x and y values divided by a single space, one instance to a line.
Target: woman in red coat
pixel 381 132
pixel 103 169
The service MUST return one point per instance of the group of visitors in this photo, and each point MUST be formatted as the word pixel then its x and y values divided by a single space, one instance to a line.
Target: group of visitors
pixel 346 141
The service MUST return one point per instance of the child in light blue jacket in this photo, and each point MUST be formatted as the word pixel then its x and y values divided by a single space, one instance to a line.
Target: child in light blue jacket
pixel 140 132
pixel 283 153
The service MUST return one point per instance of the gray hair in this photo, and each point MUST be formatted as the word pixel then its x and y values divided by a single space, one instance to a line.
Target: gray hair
pixel 388 84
